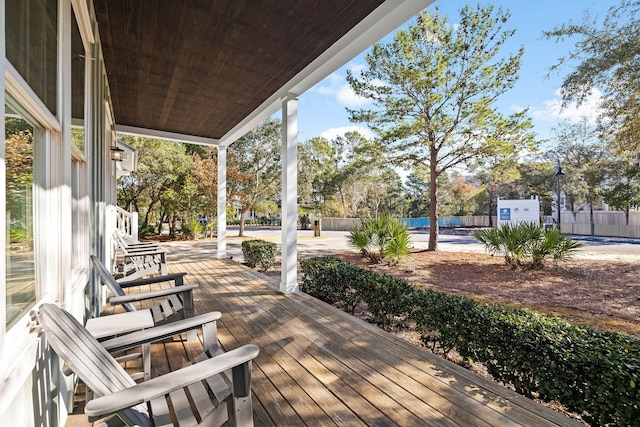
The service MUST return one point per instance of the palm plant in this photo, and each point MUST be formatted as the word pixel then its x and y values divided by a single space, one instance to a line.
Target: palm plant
pixel 399 245
pixel 385 238
pixel 527 244
pixel 361 238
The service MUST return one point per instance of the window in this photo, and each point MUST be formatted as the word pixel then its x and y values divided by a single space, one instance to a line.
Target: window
pixel 78 64
pixel 31 28
pixel 79 202
pixel 21 283
pixel 79 213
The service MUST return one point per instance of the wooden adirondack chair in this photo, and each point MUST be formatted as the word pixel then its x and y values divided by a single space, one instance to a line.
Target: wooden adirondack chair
pixel 214 390
pixel 175 303
pixel 121 241
pixel 140 260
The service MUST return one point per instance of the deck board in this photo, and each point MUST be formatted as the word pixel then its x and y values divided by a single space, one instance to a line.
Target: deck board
pixel 321 366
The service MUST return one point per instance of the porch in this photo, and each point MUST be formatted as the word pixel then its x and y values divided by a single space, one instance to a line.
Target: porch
pixel 320 366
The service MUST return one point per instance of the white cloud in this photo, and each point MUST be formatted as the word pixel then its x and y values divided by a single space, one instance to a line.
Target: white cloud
pixel 333 133
pixel 357 68
pixel 554 110
pixel 347 97
pixel 336 85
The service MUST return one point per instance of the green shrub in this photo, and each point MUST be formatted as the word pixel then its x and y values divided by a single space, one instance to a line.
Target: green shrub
pixel 385 238
pixel 333 280
pixel 593 373
pixel 195 228
pixel 259 253
pixel 527 244
pixel 146 230
pixel 19 233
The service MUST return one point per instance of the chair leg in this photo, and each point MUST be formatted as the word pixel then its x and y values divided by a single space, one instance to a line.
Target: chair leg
pixel 146 361
pixel 242 411
pixel 209 335
pixel 240 408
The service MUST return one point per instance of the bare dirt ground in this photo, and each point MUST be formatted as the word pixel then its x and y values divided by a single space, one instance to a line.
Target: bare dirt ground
pixel 604 294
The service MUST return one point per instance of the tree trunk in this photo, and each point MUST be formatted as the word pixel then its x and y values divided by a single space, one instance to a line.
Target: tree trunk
pixel 171 220
pixel 242 212
pixel 148 213
pixel 626 215
pixel 433 203
pixel 490 208
pixel 591 222
pixel 344 202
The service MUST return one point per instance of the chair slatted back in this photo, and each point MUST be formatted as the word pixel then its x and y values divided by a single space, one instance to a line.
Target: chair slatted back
pixel 110 282
pixel 88 359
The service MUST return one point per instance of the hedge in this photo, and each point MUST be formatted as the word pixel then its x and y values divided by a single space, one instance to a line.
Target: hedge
pixel 591 372
pixel 332 280
pixel 259 253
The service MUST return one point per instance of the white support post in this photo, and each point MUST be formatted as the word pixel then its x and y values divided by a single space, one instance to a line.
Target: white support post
pixel 222 202
pixel 289 281
pixel 134 226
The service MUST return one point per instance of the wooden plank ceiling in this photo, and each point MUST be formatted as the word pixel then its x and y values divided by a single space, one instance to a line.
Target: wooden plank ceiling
pixel 198 67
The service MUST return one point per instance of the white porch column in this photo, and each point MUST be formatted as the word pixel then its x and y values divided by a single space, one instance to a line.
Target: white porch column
pixel 289 282
pixel 222 202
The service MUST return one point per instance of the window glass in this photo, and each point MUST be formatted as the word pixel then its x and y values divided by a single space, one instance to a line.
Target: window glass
pixel 77 85
pixel 21 288
pixel 31 28
pixel 79 212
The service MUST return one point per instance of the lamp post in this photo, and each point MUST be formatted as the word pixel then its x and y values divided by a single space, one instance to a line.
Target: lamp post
pixel 558 175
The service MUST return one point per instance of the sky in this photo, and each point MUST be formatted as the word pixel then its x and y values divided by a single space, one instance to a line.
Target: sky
pixel 321 110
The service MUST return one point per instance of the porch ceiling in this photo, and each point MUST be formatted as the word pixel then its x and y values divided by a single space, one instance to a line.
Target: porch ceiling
pixel 206 68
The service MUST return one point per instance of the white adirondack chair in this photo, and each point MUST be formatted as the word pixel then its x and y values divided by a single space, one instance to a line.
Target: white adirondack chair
pixel 210 392
pixel 177 300
pixel 172 304
pixel 121 241
pixel 139 260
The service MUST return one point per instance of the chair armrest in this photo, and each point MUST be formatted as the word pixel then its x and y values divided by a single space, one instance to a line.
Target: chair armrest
pixel 160 386
pixel 134 249
pixel 151 294
pixel 132 244
pixel 176 277
pixel 144 253
pixel 158 333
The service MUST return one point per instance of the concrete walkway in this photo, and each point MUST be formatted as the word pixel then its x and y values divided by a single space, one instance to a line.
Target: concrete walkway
pixel 331 242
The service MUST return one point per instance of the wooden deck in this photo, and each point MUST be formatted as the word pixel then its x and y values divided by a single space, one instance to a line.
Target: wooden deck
pixel 319 366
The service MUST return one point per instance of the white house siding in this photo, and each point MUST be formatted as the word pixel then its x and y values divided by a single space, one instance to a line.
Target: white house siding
pixel 74 185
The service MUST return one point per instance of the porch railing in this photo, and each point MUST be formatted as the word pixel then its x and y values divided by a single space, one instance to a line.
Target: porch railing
pixel 127 223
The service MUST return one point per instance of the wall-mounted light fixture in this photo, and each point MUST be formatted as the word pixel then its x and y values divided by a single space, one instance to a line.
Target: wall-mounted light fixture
pixel 117 153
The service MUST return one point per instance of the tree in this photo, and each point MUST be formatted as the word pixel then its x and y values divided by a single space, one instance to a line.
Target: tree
pixel 463 195
pixel 434 89
pixel 607 58
pixel 328 160
pixel 536 178
pixel 415 184
pixel 204 173
pixel 256 159
pixel 350 177
pixel 307 170
pixel 585 160
pixel 626 192
pixel 499 174
pixel 162 170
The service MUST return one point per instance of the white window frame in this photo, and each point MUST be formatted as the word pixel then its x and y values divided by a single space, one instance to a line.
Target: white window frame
pixel 25 344
pixel 80 242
